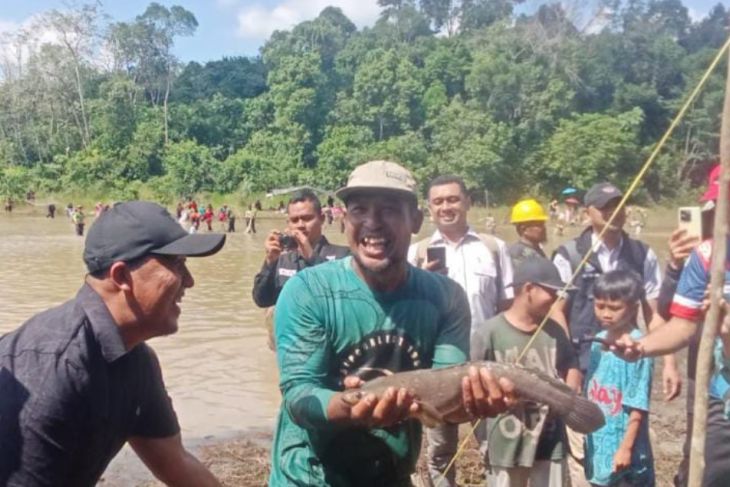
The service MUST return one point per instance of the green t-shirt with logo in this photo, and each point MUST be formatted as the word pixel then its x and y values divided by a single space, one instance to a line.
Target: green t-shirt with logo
pixel 330 324
pixel 529 432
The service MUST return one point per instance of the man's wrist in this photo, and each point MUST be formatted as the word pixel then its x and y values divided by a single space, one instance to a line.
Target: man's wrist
pixel 669 360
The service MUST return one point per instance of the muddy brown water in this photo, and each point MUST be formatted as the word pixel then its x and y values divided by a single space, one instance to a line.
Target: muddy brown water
pixel 218 369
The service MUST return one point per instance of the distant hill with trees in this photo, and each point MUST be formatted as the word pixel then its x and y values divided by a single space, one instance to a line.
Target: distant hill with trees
pixel 515 103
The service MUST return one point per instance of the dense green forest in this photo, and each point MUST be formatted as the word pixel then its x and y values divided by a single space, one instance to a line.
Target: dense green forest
pixel 515 103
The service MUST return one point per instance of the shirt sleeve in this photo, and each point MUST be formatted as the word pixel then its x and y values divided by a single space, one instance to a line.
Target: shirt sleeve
pixel 157 418
pixel 652 275
pixel 638 392
pixel 505 265
pixel 264 286
pixel 687 302
pixel 566 356
pixel 666 292
pixel 303 356
pixel 564 268
pixel 452 344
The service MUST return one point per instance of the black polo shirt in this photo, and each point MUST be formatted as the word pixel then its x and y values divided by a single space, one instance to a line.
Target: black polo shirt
pixel 71 395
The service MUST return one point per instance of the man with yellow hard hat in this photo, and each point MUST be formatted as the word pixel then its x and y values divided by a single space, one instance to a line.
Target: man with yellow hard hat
pixel 529 219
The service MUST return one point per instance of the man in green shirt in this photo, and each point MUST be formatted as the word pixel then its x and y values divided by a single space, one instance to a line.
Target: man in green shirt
pixel 353 319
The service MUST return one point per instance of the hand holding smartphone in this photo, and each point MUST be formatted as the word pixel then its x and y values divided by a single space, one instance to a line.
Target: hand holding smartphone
pixel 690 219
pixel 436 254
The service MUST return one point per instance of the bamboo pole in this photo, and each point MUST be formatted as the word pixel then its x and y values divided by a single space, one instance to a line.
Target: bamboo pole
pixel 712 321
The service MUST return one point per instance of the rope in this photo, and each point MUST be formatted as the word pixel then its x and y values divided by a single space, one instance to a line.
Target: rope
pixel 632 187
pixel 458 453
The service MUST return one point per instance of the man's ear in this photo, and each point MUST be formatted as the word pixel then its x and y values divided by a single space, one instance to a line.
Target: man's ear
pixel 417 216
pixel 121 276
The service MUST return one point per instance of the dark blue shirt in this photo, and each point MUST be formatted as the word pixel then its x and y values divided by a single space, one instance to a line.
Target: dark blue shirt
pixel 71 395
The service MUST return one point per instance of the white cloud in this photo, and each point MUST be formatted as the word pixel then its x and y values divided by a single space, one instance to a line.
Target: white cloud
pixel 20 40
pixel 260 21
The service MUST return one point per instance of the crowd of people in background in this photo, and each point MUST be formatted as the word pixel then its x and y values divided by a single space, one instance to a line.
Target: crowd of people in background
pixel 339 315
pixel 510 290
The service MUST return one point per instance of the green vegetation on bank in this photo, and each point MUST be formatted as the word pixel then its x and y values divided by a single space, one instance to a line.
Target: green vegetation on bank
pixel 515 103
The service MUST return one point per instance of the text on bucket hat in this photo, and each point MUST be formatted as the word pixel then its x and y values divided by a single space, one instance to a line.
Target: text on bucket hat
pixel 381 176
pixel 133 229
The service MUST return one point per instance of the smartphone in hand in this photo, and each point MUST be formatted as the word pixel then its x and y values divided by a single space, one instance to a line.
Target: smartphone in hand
pixel 436 253
pixel 690 219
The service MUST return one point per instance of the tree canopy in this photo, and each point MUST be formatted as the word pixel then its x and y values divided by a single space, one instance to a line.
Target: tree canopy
pixel 516 103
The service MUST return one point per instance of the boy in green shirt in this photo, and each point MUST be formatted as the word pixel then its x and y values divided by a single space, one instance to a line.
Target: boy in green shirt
pixel 527 445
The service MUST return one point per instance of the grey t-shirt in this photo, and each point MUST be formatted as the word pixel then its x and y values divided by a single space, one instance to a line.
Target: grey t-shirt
pixel 529 432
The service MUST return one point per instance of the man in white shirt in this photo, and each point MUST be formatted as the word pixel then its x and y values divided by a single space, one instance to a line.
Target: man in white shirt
pixel 616 250
pixel 482 267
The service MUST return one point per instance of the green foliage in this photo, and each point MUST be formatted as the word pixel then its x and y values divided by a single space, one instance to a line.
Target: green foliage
pixel 511 102
pixel 341 150
pixel 189 167
pixel 14 182
pixel 592 147
pixel 388 93
pixel 236 77
pixel 469 142
pixel 114 118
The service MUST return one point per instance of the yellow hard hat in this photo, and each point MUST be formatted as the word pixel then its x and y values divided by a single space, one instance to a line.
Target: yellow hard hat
pixel 528 211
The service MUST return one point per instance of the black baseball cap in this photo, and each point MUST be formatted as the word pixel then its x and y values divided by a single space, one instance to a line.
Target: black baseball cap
pixel 600 194
pixel 133 229
pixel 540 271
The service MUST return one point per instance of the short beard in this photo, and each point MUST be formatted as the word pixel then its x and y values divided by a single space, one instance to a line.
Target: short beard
pixel 382 268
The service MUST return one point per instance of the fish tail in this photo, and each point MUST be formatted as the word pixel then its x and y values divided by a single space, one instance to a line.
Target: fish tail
pixel 584 416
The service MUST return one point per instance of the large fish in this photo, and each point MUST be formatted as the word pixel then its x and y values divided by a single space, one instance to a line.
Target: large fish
pixel 438 391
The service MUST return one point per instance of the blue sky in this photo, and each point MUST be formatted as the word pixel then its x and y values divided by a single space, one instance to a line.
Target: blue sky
pixel 235 27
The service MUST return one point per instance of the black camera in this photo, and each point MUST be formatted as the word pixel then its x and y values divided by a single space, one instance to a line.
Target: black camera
pixel 288 242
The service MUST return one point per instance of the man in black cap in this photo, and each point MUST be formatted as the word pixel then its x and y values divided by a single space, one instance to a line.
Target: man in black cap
pixel 78 381
pixel 614 250
pixel 527 444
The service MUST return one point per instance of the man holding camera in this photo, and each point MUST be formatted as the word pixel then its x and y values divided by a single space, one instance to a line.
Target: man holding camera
pixel 301 246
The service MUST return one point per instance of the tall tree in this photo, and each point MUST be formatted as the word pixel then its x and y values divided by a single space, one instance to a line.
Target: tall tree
pixel 145 48
pixel 77 32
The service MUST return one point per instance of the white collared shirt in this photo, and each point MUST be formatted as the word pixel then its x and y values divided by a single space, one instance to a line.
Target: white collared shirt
pixel 471 264
pixel 608 258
